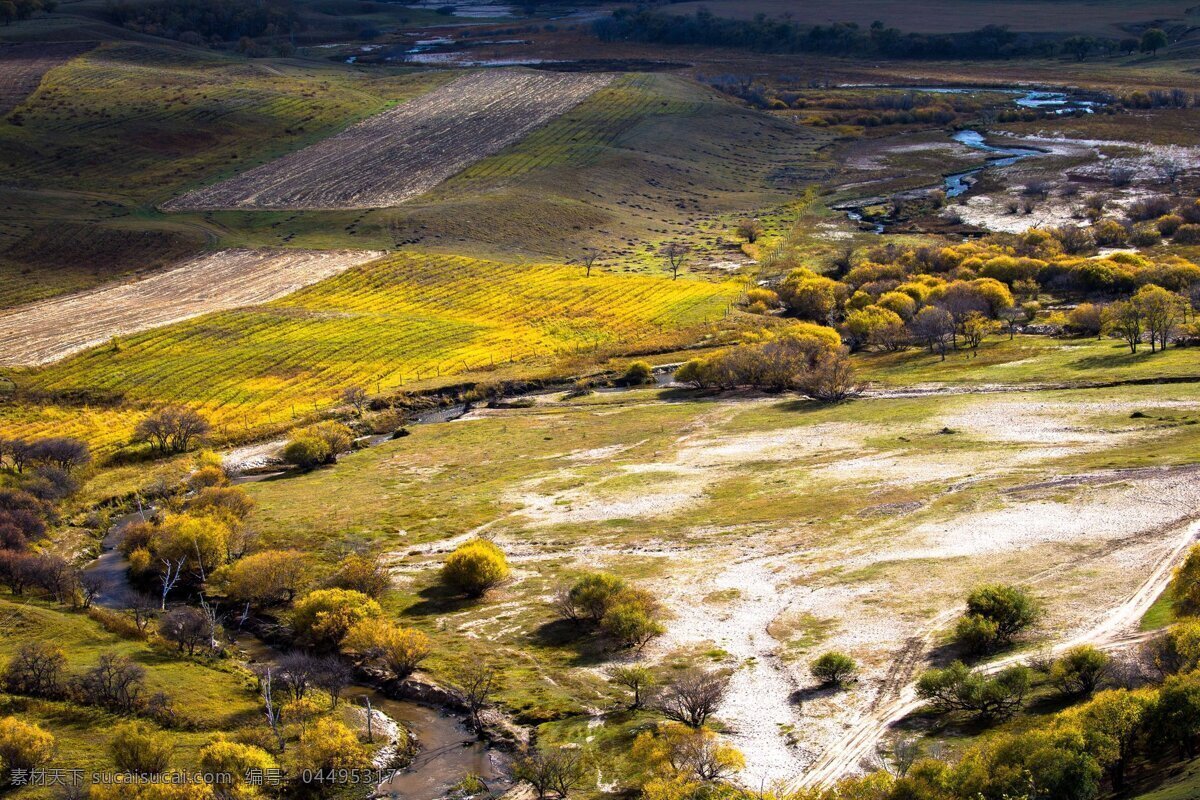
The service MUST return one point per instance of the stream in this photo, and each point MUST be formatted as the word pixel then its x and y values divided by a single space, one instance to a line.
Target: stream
pixel 958 183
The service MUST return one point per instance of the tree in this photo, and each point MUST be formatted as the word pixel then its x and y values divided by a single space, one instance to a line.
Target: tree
pixel 975 327
pixel 1161 312
pixel 1079 671
pixel 689 756
pixel 632 621
pixel 833 668
pixel 675 254
pixel 322 618
pixel 692 696
pixel 8 11
pixel 474 567
pixel 995 614
pixel 829 379
pixel 957 688
pixel 1185 585
pixel 1175 717
pixel 476 682
pixel 1087 318
pixel 63 452
pixel 1153 39
pixel 326 747
pixel 200 543
pixel 1118 717
pixel 873 325
pixel 187 627
pixel 140 749
pixel 36 670
pixel 356 397
pixel 593 595
pixel 172 429
pixel 1079 46
pixel 1124 320
pixel 551 769
pixel 400 650
pixel 589 258
pixel 23 746
pixel 934 326
pixel 266 578
pixel 637 678
pixel 749 229
pixel 811 296
pixel 115 683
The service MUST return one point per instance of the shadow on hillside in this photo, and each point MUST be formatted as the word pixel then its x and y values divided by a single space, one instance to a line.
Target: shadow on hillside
pixel 438 599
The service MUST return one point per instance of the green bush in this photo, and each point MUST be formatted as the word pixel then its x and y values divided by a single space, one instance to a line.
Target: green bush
pixel 833 668
pixel 957 688
pixel 1079 671
pixel 995 614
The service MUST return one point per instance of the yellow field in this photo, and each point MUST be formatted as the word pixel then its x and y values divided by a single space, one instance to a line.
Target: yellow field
pixel 401 321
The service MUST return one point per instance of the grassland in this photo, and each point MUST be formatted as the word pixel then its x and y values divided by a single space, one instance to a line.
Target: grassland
pixel 213 696
pixel 399 322
pixel 770 527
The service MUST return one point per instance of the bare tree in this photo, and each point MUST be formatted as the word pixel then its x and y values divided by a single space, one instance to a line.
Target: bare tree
pixel 676 254
pixel 356 396
pixel 170 576
pixel 475 683
pixel 172 429
pixel 63 452
pixel 589 258
pixel 187 627
pixel 91 585
pixel 144 610
pixel 332 677
pixel 115 683
pixel 298 671
pixel 692 696
pixel 552 769
pixel 273 713
pixel 637 679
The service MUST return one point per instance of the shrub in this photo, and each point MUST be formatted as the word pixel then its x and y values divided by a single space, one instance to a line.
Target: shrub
pixel 326 747
pixel 1187 234
pixel 401 650
pixel 186 627
pixel 638 373
pixel 1144 234
pixel 1109 233
pixel 23 745
pixel 632 619
pixel 236 760
pixel 995 614
pixel 1087 318
pixel 36 670
pixel 475 567
pixel 765 297
pixel 1079 670
pixel 206 477
pixel 1185 585
pixel 364 574
pixel 1168 224
pixel 306 452
pixel 115 683
pixel 833 668
pixel 266 578
pixel 321 619
pixel 138 748
pixel 593 595
pixel 957 688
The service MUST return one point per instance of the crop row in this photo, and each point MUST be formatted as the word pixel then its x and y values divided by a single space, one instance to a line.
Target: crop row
pixel 406 320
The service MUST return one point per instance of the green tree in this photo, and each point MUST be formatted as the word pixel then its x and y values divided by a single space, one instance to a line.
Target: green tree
pixel 958 688
pixel 1153 40
pixel 1117 717
pixel 995 614
pixel 1079 670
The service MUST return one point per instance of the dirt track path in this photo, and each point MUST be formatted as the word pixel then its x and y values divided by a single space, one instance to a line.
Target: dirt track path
pixel 1117 630
pixel 49 330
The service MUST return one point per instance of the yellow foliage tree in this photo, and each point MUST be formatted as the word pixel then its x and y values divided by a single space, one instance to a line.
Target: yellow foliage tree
pixel 324 617
pixel 475 567
pixel 23 745
pixel 401 650
pixel 223 757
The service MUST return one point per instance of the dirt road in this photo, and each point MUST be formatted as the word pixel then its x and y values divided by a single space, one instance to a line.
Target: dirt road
pixel 47 331
pixel 399 154
pixel 1117 630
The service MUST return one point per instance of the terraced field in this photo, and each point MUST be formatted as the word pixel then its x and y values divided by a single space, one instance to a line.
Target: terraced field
pixel 395 322
pixel 404 152
pixel 23 65
pixel 53 329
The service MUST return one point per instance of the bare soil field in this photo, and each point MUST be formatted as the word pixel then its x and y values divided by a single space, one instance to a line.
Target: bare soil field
pixel 23 65
pixel 407 151
pixel 43 332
